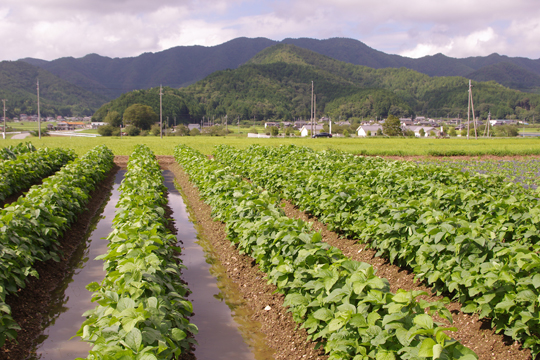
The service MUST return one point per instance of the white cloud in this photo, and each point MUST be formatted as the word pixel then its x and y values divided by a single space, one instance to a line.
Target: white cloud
pixel 50 29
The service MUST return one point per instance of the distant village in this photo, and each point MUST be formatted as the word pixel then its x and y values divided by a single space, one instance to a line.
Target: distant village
pixel 420 126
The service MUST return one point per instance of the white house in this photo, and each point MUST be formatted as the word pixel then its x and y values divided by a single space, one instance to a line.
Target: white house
pixel 363 130
pixel 95 124
pixel 194 126
pixel 427 130
pixel 304 131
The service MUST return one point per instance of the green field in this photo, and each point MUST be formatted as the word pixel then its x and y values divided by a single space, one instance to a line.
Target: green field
pixel 379 146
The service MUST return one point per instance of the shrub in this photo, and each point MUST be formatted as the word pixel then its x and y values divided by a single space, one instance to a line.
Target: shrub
pixel 106 130
pixel 132 131
pixel 155 130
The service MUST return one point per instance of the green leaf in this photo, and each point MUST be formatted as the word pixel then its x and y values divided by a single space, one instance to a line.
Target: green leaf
pixel 424 321
pixel 323 314
pixel 178 334
pixel 385 355
pixel 437 351
pixel 426 348
pixel 134 339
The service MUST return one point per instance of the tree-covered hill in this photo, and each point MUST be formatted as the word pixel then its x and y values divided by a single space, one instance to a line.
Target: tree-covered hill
pixel 276 84
pixel 184 65
pixel 509 75
pixel 18 83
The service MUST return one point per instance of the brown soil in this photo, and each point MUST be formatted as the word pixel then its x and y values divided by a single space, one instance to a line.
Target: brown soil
pixel 30 303
pixel 472 332
pixel 281 331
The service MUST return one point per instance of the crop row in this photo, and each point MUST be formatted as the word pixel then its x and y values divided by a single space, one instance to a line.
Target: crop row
pixel 31 227
pixel 341 303
pixel 142 310
pixel 27 169
pixel 469 235
pixel 11 152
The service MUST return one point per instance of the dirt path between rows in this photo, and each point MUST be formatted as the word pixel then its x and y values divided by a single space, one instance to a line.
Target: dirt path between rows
pixel 277 324
pixel 30 305
pixel 472 332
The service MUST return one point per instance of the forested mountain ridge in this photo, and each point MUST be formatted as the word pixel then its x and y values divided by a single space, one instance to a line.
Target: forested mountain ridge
pixel 184 65
pixel 276 84
pixel 18 85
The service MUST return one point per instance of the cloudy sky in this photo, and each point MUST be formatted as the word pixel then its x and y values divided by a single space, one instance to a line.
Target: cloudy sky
pixel 50 29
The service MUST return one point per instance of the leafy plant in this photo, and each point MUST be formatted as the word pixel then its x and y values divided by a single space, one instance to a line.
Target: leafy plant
pixel 342 303
pixel 142 310
pixel 31 227
pixel 471 235
pixel 28 168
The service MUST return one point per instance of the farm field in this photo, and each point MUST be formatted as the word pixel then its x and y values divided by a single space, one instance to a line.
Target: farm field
pixel 325 315
pixel 383 147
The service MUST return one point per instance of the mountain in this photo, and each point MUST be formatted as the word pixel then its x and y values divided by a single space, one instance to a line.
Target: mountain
pixel 18 85
pixel 184 65
pixel 509 75
pixel 175 67
pixel 276 84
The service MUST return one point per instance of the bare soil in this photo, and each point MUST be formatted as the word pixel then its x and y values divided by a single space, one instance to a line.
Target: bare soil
pixel 472 331
pixel 29 306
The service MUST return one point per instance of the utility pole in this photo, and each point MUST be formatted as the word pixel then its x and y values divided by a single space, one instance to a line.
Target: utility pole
pixel 38 113
pixel 160 112
pixel 469 111
pixel 312 103
pixel 4 101
pixel 473 116
pixel 175 122
pixel 226 125
pixel 488 123
pixel 238 122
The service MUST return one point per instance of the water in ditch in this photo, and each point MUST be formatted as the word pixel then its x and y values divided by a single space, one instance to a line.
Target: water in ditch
pixel 72 299
pixel 226 330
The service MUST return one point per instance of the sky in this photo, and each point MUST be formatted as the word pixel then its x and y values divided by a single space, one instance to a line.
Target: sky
pixel 51 29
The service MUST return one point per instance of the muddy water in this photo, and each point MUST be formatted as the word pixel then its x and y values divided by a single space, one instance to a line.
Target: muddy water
pixel 72 299
pixel 225 328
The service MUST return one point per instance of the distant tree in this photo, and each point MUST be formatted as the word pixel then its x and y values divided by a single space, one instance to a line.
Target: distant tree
pixel 141 116
pixel 368 133
pixel 182 130
pixel 113 118
pixel 379 132
pixel 408 132
pixel 392 126
pixel 452 132
pixel 194 132
pixel 274 131
pixel 432 133
pixel 105 130
pixel 346 133
pixel 132 131
pixel 288 131
pixel 253 131
pixel 155 130
pixel 421 132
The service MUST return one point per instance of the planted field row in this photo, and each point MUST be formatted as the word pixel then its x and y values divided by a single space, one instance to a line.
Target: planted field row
pixel 142 308
pixel 343 305
pixel 524 172
pixel 466 234
pixel 27 169
pixel 30 227
pixel 11 152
